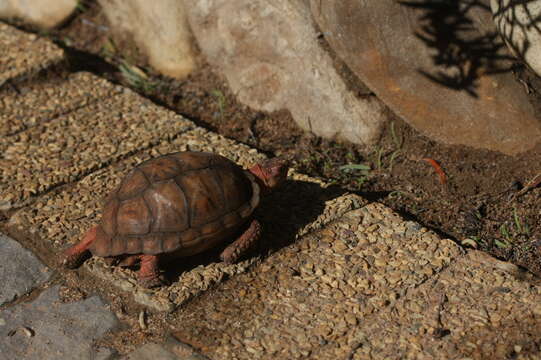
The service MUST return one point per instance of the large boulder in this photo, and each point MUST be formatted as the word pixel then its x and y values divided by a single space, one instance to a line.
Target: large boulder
pixel 45 14
pixel 270 55
pixel 517 22
pixel 430 63
pixel 159 28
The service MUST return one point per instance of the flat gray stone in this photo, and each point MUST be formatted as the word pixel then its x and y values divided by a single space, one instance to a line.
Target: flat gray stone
pixel 46 328
pixel 20 270
pixel 171 349
pixel 168 44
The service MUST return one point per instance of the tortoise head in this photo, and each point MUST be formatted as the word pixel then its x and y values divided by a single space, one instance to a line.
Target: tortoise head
pixel 271 173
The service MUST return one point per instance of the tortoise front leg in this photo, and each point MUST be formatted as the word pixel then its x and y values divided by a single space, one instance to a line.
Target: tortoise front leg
pixel 78 253
pixel 239 247
pixel 149 274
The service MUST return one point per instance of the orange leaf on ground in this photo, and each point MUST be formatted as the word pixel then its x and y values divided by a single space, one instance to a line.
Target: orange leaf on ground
pixel 438 169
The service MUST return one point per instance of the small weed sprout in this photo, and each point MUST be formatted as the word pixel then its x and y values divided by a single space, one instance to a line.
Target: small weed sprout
pixel 109 49
pixel 510 230
pixel 378 158
pixel 81 5
pixel 397 141
pixel 220 98
pixel 505 233
pixel 521 228
pixel 393 156
pixel 478 240
pixel 501 244
pixel 136 77
pixel 361 169
pixel 380 153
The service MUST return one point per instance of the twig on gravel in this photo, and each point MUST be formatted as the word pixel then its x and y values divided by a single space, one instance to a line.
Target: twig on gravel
pixel 142 320
pixel 531 185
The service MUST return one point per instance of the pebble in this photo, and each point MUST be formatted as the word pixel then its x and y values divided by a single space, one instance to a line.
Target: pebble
pixel 20 270
pixel 142 320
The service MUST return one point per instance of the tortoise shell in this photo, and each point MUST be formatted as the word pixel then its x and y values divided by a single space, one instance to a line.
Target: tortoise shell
pixel 184 202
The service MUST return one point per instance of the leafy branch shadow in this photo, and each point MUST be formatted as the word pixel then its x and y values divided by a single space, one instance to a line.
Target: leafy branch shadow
pixel 463 52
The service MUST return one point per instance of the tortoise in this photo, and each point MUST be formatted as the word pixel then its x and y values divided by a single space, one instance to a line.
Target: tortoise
pixel 177 205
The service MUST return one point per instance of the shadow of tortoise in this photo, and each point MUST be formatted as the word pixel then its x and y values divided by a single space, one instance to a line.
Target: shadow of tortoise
pixel 282 214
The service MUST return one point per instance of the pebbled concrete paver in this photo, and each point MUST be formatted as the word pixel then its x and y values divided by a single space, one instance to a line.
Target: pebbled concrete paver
pixel 370 286
pixel 68 147
pixel 24 54
pixel 20 270
pixel 63 217
pixel 47 329
pixel 314 292
pixel 27 104
pixel 476 308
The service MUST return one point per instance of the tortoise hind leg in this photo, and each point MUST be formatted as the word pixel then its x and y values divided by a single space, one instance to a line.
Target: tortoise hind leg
pixel 78 253
pixel 239 247
pixel 149 274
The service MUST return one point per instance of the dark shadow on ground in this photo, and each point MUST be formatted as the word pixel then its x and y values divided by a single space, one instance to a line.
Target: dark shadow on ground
pixel 282 215
pixel 462 51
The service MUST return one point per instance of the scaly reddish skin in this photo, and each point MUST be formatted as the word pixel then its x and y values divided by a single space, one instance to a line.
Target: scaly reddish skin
pixel 240 246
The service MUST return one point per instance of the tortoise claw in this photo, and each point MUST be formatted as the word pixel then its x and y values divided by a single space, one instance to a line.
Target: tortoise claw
pixel 76 255
pixel 73 261
pixel 240 246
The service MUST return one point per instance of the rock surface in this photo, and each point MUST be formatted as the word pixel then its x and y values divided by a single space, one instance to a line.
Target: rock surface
pixel 159 28
pixel 271 57
pixel 439 75
pixel 47 329
pixel 20 270
pixel 45 14
pixel 518 24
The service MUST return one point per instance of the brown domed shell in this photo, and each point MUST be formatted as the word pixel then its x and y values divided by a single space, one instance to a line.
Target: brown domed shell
pixel 185 202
